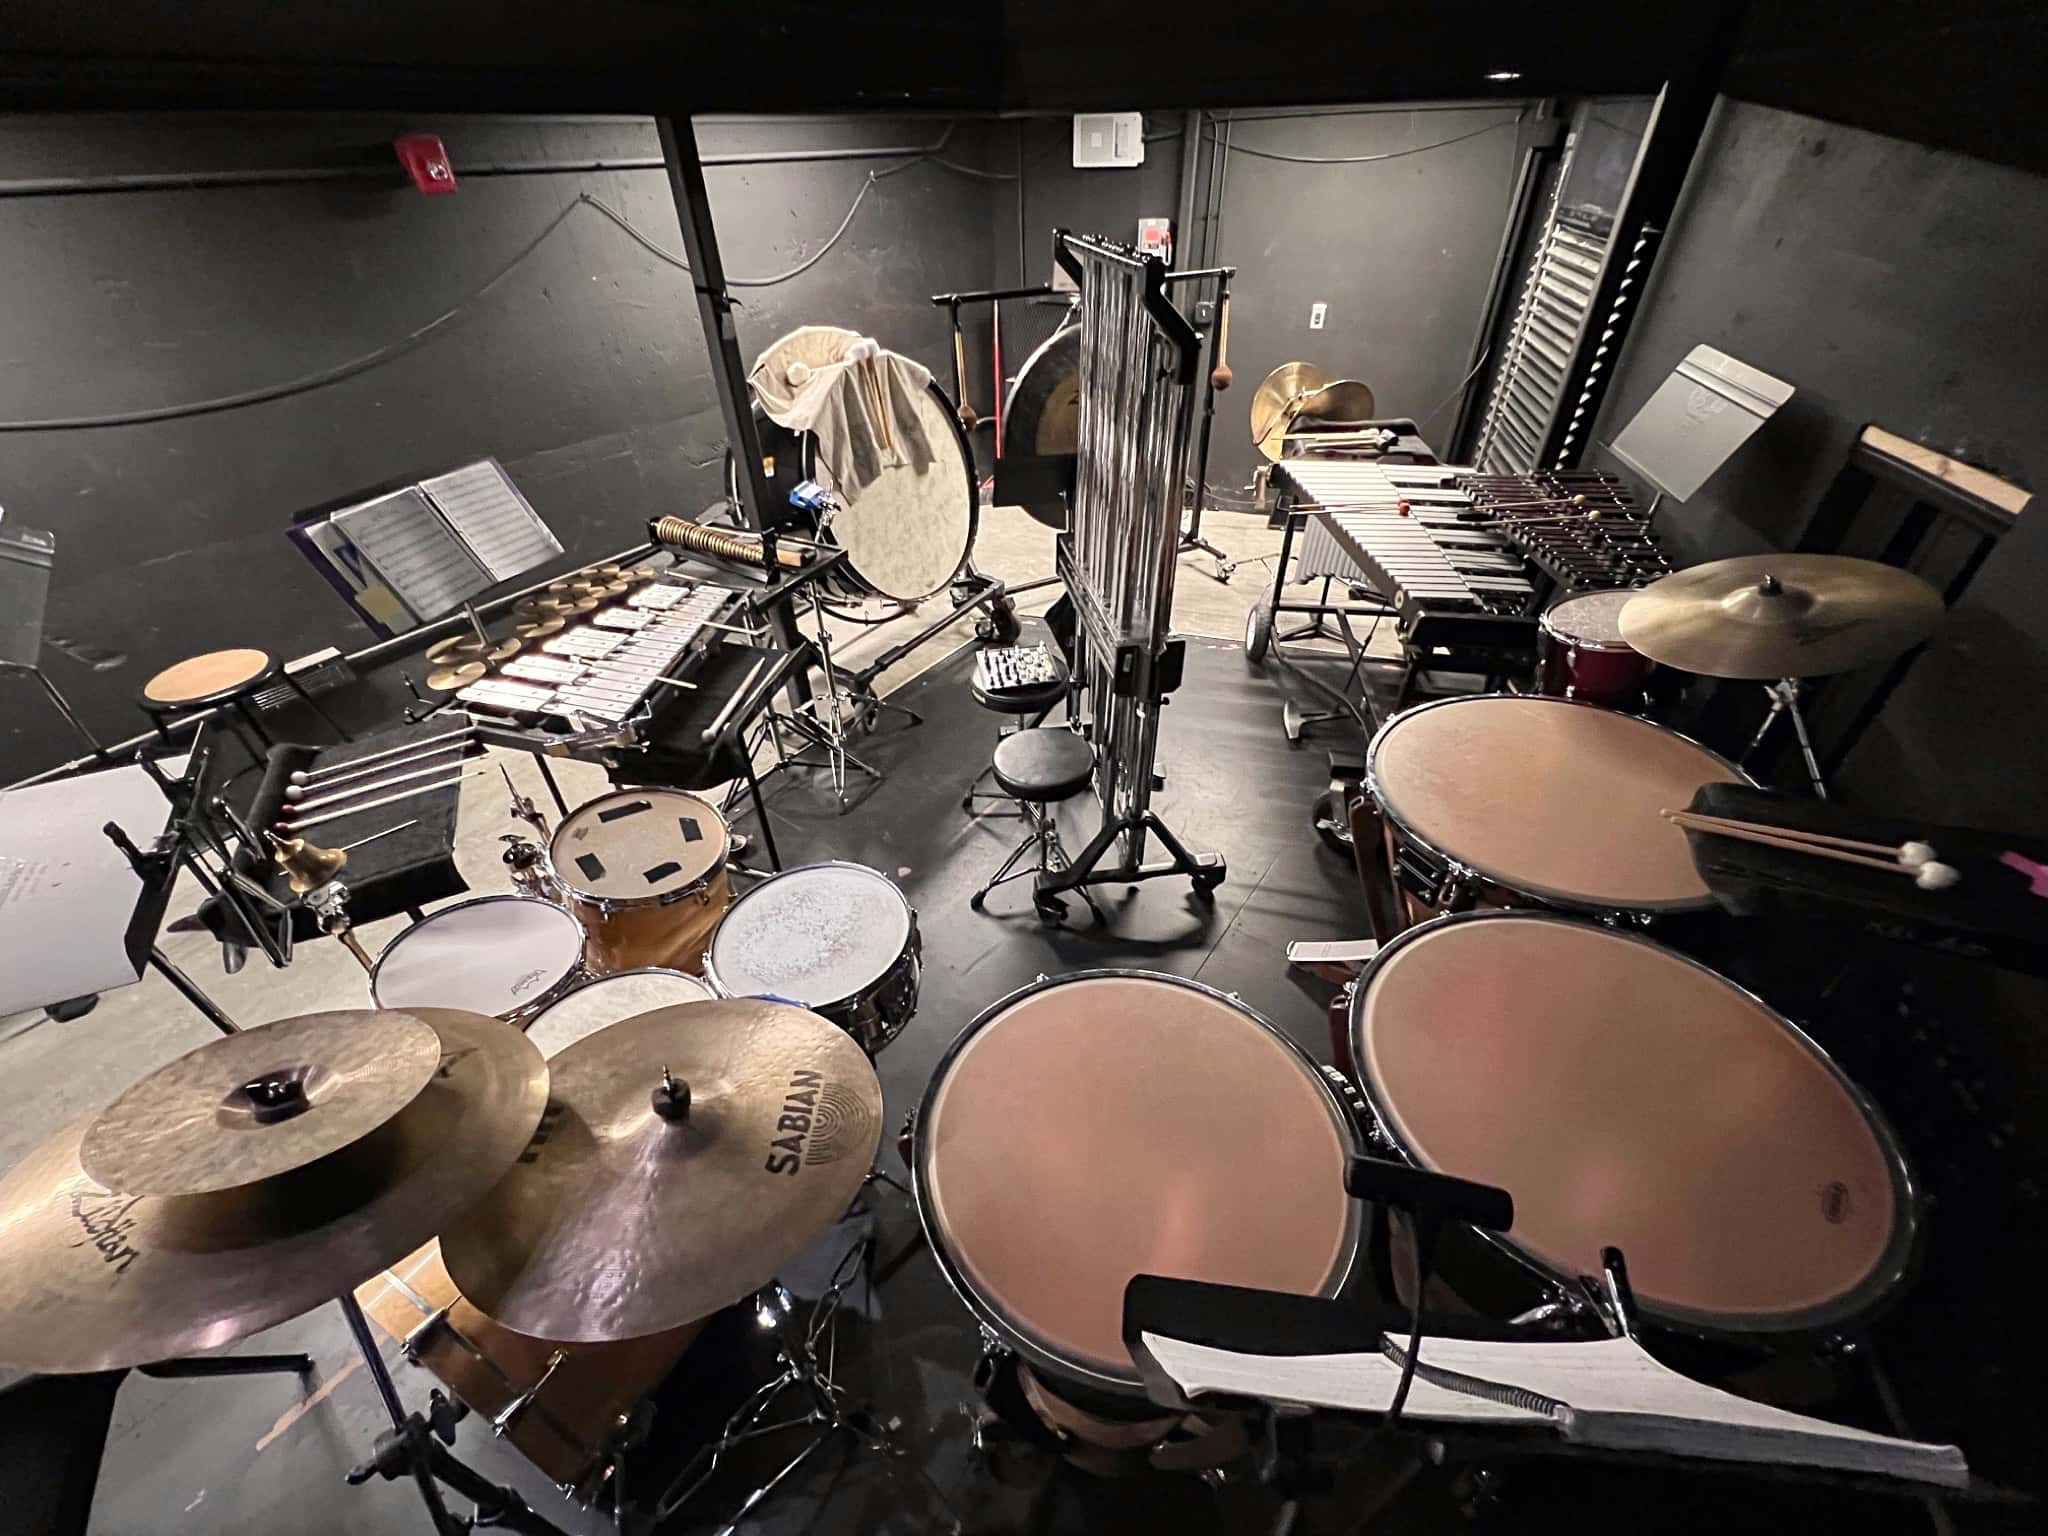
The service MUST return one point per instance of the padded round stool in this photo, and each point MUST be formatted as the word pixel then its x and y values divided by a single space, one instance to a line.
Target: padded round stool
pixel 222 680
pixel 1031 705
pixel 1038 767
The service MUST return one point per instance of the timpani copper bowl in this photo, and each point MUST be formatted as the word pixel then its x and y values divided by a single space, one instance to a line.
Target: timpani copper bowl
pixel 1104 1124
pixel 1507 800
pixel 1627 1095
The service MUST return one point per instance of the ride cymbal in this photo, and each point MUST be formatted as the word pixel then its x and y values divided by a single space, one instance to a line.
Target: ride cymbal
pixel 448 679
pixel 253 1105
pixel 97 1281
pixel 1774 616
pixel 623 1223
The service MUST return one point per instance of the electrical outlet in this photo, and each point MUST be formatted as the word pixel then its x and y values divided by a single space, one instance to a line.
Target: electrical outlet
pixel 1205 311
pixel 1316 312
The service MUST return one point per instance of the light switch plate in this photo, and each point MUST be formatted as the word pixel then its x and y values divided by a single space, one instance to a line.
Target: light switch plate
pixel 1316 314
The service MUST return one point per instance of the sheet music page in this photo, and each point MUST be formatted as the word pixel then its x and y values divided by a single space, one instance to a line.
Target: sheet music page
pixel 1361 1383
pixel 1621 1396
pixel 413 550
pixel 485 507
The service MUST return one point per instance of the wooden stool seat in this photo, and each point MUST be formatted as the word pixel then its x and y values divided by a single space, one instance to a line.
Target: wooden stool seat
pixel 207 675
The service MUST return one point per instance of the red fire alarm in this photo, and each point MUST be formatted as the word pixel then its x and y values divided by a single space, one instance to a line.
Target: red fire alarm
pixel 425 159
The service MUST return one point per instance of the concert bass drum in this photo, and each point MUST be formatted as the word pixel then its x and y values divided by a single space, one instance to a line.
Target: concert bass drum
pixel 1104 1124
pixel 1628 1096
pixel 1043 413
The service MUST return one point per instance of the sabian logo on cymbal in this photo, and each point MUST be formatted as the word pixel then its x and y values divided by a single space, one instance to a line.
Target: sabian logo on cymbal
pixel 820 1123
pixel 106 1221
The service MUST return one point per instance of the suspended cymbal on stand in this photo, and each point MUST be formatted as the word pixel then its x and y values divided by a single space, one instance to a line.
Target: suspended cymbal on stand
pixel 645 1209
pixel 97 1281
pixel 1766 617
pixel 1297 391
pixel 260 1103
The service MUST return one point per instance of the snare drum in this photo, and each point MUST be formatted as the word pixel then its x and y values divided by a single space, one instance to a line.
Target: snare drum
pixel 508 956
pixel 607 1000
pixel 836 938
pixel 1626 1095
pixel 1498 800
pixel 1580 653
pixel 1106 1124
pixel 644 872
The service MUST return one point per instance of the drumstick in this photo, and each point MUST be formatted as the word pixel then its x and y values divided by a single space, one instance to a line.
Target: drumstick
pixel 371 805
pixel 1929 876
pixel 1912 855
pixel 431 744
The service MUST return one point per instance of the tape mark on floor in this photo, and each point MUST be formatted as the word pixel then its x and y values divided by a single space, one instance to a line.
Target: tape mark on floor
pixel 298 1410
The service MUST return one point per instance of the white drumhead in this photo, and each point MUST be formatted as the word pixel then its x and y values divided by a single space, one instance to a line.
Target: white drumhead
pixel 607 1000
pixel 909 532
pixel 1592 618
pixel 815 935
pixel 494 955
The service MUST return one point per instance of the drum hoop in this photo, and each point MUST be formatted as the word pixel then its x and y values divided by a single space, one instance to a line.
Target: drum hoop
pixel 1901 1255
pixel 659 899
pixel 987 1313
pixel 604 976
pixel 959 433
pixel 1574 642
pixel 913 943
pixel 390 949
pixel 1461 868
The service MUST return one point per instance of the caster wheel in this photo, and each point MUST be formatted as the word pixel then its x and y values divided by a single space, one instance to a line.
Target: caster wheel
pixel 1327 816
pixel 1258 634
pixel 1051 910
pixel 975 900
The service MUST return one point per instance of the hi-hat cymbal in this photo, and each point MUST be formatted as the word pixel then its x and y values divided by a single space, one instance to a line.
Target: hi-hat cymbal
pixel 623 1223
pixel 1773 616
pixel 1289 382
pixel 448 679
pixel 461 648
pixel 250 1106
pixel 96 1281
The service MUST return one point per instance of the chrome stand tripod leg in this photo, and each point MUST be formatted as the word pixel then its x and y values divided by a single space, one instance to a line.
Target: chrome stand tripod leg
pixel 752 1500
pixel 189 989
pixel 1820 787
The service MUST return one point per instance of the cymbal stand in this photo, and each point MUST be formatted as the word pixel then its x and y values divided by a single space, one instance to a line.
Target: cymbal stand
pixel 821 721
pixel 416 1446
pixel 1784 697
pixel 829 1412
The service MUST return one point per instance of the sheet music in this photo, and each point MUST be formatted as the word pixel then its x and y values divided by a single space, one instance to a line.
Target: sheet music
pixel 1620 1396
pixel 483 505
pixel 1360 1383
pixel 415 552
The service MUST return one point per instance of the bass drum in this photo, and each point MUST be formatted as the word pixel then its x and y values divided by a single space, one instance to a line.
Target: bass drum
pixel 1043 415
pixel 911 531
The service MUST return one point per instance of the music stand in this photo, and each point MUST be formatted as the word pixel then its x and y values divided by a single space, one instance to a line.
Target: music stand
pixel 26 555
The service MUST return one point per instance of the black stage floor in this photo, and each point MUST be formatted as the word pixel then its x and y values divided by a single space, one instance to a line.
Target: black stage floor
pixel 1235 786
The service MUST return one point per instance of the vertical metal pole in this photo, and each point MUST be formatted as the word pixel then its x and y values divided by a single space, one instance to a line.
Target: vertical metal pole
pixel 722 347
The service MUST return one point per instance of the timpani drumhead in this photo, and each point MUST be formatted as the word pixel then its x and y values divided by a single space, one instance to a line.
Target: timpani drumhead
pixel 1591 619
pixel 1556 799
pixel 908 532
pixel 1110 1124
pixel 639 845
pixel 1627 1096
pixel 609 999
pixel 495 955
pixel 815 935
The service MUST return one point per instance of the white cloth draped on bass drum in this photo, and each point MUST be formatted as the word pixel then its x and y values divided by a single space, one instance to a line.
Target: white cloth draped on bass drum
pixel 859 401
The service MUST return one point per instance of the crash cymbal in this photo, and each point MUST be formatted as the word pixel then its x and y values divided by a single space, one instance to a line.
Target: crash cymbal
pixel 253 1105
pixel 448 679
pixel 537 629
pixel 1776 616
pixel 461 648
pixel 1270 401
pixel 96 1281
pixel 622 1223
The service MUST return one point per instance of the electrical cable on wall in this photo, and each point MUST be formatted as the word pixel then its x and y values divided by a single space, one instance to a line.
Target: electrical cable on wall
pixel 1391 154
pixel 338 372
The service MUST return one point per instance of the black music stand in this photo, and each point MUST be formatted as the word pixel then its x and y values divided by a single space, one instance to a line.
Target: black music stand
pixel 26 555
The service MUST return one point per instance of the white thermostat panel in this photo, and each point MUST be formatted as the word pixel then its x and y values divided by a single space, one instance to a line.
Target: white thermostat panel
pixel 1108 139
